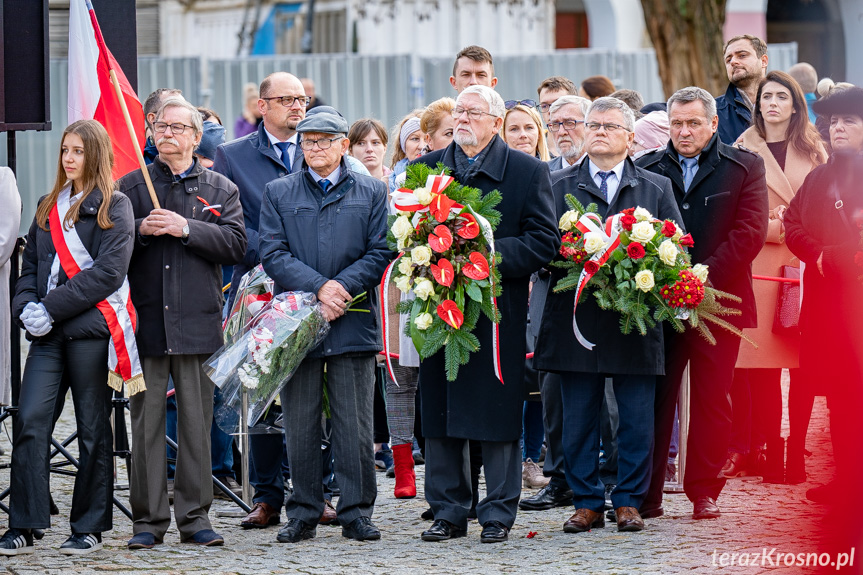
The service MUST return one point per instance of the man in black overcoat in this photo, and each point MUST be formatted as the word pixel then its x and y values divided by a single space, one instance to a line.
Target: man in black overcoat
pixel 477 406
pixel 722 195
pixel 608 178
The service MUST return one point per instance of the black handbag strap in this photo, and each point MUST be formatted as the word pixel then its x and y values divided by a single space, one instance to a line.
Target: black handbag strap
pixel 840 206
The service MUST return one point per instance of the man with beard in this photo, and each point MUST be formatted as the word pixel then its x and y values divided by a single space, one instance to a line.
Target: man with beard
pixel 476 406
pixel 566 124
pixel 746 65
pixel 251 162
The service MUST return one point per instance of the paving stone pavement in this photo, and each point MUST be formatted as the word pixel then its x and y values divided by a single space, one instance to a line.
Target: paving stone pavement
pixel 755 516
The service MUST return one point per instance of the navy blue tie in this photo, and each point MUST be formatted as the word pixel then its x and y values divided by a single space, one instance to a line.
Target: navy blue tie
pixel 286 157
pixel 325 184
pixel 603 188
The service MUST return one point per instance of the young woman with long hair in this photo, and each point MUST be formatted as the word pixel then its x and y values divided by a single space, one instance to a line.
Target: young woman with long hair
pixel 791 147
pixel 72 298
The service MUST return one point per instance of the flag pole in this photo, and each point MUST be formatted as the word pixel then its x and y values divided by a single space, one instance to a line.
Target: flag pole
pixel 134 137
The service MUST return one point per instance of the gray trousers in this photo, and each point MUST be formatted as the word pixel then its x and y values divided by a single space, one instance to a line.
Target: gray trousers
pixel 350 389
pixel 193 481
pixel 448 488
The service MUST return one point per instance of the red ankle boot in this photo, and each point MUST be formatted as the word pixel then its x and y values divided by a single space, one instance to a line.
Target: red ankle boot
pixel 406 479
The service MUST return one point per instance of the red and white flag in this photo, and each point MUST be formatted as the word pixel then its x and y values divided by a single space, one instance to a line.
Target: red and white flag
pixel 91 94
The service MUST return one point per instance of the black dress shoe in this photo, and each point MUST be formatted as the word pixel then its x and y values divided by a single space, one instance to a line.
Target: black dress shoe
pixel 428 514
pixel 441 530
pixel 548 497
pixel 361 529
pixel 705 508
pixel 494 532
pixel 295 530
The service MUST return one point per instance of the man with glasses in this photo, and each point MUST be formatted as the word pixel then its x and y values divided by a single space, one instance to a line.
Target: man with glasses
pixel 174 277
pixel 722 194
pixel 476 406
pixel 323 231
pixel 550 90
pixel 251 162
pixel 608 178
pixel 566 127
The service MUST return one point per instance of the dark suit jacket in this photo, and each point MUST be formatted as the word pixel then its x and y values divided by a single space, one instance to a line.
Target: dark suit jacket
pixel 725 210
pixel 251 163
pixel 476 405
pixel 734 116
pixel 615 353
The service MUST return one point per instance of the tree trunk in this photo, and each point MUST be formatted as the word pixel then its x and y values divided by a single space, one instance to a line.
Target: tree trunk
pixel 687 37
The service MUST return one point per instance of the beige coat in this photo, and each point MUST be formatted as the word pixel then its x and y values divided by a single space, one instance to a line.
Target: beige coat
pixel 773 351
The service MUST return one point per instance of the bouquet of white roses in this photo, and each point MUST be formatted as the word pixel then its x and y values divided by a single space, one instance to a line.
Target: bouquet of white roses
pixel 264 356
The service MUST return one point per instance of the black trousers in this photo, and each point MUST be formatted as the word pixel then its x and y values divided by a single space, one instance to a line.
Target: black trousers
pixel 83 364
pixel 552 417
pixel 448 488
pixel 711 370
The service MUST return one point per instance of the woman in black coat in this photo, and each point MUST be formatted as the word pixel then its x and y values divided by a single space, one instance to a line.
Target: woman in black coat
pixel 823 227
pixel 70 339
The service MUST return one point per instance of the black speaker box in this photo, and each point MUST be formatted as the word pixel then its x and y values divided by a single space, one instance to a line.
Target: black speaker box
pixel 25 90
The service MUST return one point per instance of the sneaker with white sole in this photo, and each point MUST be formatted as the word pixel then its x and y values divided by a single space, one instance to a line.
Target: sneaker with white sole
pixel 16 542
pixel 81 544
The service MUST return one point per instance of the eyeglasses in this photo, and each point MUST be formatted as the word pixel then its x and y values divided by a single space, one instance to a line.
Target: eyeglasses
pixel 510 104
pixel 473 113
pixel 544 107
pixel 323 143
pixel 289 101
pixel 177 128
pixel 566 124
pixel 595 126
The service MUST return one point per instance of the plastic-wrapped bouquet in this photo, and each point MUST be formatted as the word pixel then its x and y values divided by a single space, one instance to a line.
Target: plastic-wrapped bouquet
pixel 264 355
pixel 254 291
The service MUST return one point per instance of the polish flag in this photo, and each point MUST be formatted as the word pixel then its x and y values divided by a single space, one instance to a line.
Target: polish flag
pixel 92 95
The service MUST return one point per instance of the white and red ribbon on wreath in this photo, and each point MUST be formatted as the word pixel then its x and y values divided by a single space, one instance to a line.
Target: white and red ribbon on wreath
pixel 405 200
pixel 611 236
pixel 124 364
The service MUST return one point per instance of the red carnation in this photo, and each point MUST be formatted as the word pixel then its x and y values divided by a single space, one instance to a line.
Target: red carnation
pixel 687 241
pixel 635 250
pixel 591 267
pixel 628 211
pixel 627 222
pixel 669 229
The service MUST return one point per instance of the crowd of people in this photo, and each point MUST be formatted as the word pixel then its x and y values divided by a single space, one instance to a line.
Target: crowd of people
pixel 125 278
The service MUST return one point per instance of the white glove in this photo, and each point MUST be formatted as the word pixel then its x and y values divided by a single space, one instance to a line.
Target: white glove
pixel 28 311
pixel 38 322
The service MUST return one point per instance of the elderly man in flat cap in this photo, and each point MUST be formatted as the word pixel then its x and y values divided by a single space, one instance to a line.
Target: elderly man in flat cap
pixel 323 230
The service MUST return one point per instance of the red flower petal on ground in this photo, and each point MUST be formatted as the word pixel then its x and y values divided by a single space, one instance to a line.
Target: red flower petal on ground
pixel 687 241
pixel 477 269
pixel 591 267
pixel 531 534
pixel 627 222
pixel 441 240
pixel 635 250
pixel 440 207
pixel 668 229
pixel 449 312
pixel 468 228
pixel 443 272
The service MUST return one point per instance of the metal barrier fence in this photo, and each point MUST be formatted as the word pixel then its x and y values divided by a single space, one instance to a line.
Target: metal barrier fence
pixel 384 87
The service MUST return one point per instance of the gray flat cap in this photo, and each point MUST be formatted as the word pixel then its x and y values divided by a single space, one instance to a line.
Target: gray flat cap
pixel 324 123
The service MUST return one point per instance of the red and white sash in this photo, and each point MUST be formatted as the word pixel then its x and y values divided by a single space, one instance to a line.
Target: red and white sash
pixel 124 365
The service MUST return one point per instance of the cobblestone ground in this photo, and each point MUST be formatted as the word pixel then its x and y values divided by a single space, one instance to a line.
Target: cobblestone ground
pixel 755 516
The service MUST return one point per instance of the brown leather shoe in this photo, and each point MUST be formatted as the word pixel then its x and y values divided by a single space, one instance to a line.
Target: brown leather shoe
pixel 262 515
pixel 628 519
pixel 328 517
pixel 583 520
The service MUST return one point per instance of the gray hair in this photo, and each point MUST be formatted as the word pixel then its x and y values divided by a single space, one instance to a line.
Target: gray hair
pixel 194 114
pixel 692 94
pixel 496 106
pixel 805 75
pixel 607 103
pixel 582 103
